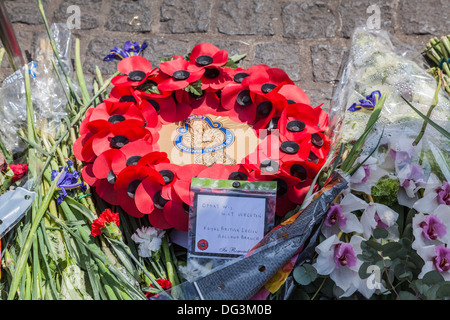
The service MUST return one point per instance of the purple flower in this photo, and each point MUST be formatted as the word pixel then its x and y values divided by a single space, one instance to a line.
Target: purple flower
pixel 436 193
pixel 344 255
pixel 67 181
pixel 444 194
pixel 368 103
pixel 129 49
pixel 340 216
pixel 335 216
pixel 432 228
pixel 442 259
pixel 436 258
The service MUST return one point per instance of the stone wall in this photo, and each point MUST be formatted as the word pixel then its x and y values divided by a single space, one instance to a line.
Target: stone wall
pixel 308 39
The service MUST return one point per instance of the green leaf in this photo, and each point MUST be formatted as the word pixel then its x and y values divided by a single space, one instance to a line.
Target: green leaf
pixel 441 130
pixel 433 277
pixel 375 245
pixel 237 57
pixel 380 233
pixel 406 295
pixel 390 248
pixel 230 64
pixel 443 291
pixel 305 274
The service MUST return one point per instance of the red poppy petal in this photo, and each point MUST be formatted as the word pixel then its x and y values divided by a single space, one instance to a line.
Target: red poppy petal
pixel 293 93
pixel 106 191
pixel 229 94
pixel 145 192
pixel 127 204
pixel 182 189
pixel 124 81
pixel 175 215
pixel 190 171
pixel 82 148
pixel 298 192
pixel 88 175
pixel 204 48
pixel 216 171
pixel 157 219
pixel 134 63
pixel 171 84
pixel 153 158
pixel 284 205
pixel 171 66
pixel 103 163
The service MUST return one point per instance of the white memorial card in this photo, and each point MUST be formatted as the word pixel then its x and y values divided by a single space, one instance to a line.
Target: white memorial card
pixel 228 225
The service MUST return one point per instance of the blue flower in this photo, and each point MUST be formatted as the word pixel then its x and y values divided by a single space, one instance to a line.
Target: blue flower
pixel 129 49
pixel 368 103
pixel 67 181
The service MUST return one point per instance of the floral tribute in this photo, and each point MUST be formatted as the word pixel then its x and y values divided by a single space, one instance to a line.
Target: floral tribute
pixel 118 140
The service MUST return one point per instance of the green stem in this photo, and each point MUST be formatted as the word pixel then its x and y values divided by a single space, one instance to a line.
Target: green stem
pixel 21 261
pixel 2 53
pixel 79 71
pixel 318 289
pixel 171 273
pixel 435 102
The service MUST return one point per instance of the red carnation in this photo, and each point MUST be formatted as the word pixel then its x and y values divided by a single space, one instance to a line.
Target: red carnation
pixel 165 284
pixel 19 171
pixel 106 222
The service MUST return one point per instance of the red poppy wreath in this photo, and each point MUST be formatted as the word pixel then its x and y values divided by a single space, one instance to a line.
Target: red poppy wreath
pixel 132 142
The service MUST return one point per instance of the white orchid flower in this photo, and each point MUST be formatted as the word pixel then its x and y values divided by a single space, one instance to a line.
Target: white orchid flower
pixel 378 215
pixel 339 260
pixel 432 229
pixel 435 194
pixel 436 258
pixel 340 216
pixel 367 175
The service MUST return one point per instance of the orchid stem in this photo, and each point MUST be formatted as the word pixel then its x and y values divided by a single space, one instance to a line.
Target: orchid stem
pixel 318 289
pixel 435 102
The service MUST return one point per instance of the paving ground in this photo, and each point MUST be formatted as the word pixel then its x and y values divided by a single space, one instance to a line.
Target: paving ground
pixel 306 38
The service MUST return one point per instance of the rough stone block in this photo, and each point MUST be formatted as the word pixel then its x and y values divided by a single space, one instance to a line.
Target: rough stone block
pixel 90 12
pixel 279 55
pixel 188 16
pixel 246 17
pixel 130 16
pixel 357 13
pixel 430 17
pixel 24 11
pixel 304 20
pixel 326 61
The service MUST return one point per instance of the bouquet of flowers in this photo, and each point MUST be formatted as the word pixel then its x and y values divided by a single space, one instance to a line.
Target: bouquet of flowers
pixel 386 236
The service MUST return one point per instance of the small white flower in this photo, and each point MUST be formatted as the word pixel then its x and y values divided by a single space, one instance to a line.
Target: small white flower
pixel 149 240
pixel 194 269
